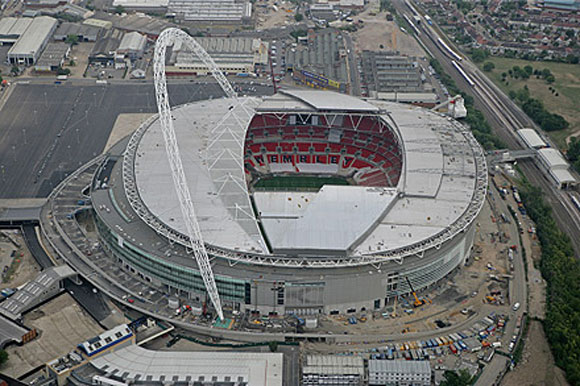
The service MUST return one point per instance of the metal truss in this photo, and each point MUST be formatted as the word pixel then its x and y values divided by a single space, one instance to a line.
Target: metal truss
pixel 195 241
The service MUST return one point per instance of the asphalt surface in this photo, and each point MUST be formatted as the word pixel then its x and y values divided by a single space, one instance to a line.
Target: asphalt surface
pixel 93 302
pixel 49 130
pixel 34 247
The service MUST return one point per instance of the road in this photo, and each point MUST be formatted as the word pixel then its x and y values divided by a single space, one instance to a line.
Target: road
pixel 505 117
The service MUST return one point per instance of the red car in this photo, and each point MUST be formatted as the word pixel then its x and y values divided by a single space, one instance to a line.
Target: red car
pixel 130 300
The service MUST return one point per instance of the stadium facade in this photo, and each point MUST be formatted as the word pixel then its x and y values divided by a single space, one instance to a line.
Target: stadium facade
pixel 412 183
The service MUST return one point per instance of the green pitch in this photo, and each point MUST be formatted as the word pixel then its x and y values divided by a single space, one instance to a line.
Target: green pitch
pixel 298 182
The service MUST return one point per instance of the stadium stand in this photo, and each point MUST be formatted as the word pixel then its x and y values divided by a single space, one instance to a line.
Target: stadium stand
pixel 357 147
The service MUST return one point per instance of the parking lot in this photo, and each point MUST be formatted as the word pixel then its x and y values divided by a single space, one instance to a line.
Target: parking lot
pixel 49 130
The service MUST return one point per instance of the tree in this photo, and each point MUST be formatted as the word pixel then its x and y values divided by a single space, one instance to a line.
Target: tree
pixel 529 69
pixel 298 17
pixel 273 345
pixel 452 378
pixel 62 71
pixel 550 79
pixel 3 357
pixel 479 55
pixel 488 66
pixel 119 9
pixel 72 40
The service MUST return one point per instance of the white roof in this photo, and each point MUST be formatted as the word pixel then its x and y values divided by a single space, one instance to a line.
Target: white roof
pixel 563 176
pixel 553 158
pixel 132 41
pixel 33 38
pixel 220 195
pixel 331 101
pixel 335 218
pixel 531 138
pixel 399 367
pixel 141 3
pixel 135 362
pixel 13 27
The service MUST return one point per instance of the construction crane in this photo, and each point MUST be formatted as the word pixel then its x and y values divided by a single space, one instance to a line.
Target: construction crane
pixel 418 302
pixel 455 107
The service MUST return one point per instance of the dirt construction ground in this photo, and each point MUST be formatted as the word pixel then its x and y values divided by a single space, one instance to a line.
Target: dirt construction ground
pixel 537 366
pixel 61 324
pixel 377 31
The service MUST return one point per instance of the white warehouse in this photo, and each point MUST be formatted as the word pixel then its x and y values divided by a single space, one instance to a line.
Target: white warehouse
pixel 31 43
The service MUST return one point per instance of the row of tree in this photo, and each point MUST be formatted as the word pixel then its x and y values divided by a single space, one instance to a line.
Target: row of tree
pixel 535 109
pixel 573 153
pixel 561 270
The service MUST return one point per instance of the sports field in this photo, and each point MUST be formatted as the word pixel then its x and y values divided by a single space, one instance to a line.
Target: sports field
pixel 300 183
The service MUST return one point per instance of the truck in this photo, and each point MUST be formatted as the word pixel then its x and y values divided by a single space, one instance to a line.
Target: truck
pixel 7 292
pixel 428 20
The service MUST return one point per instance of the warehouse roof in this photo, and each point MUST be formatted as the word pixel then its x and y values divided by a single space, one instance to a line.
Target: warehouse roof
pixel 137 363
pixel 53 55
pixel 86 31
pixel 33 38
pixel 399 367
pixel 27 296
pixel 132 41
pixel 11 28
pixel 333 364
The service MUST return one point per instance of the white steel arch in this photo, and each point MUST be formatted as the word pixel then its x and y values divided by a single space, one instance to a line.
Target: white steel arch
pixel 168 38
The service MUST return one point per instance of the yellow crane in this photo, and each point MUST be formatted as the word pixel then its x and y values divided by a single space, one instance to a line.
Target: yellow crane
pixel 418 302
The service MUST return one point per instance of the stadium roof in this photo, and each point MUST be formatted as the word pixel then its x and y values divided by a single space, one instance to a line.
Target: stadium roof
pixel 440 190
pixel 330 101
pixel 135 363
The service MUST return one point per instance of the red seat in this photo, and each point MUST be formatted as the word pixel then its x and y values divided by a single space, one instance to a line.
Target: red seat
pixel 319 147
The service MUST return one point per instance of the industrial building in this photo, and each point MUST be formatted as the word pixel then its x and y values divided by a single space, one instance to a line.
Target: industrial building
pixel 134 363
pixel 104 51
pixel 132 45
pixel 47 284
pixel 385 71
pixel 27 49
pixel 11 28
pixel 85 33
pixel 215 11
pixel 399 372
pixel 232 56
pixel 333 370
pixel 52 57
pixel 313 59
pixel 142 5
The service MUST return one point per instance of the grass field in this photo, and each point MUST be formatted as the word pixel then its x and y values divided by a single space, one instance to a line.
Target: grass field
pixel 298 182
pixel 567 85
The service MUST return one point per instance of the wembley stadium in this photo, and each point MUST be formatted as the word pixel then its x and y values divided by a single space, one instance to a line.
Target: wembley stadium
pixel 306 201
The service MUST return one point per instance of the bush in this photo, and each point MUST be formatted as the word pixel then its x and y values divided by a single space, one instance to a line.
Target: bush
pixel 488 66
